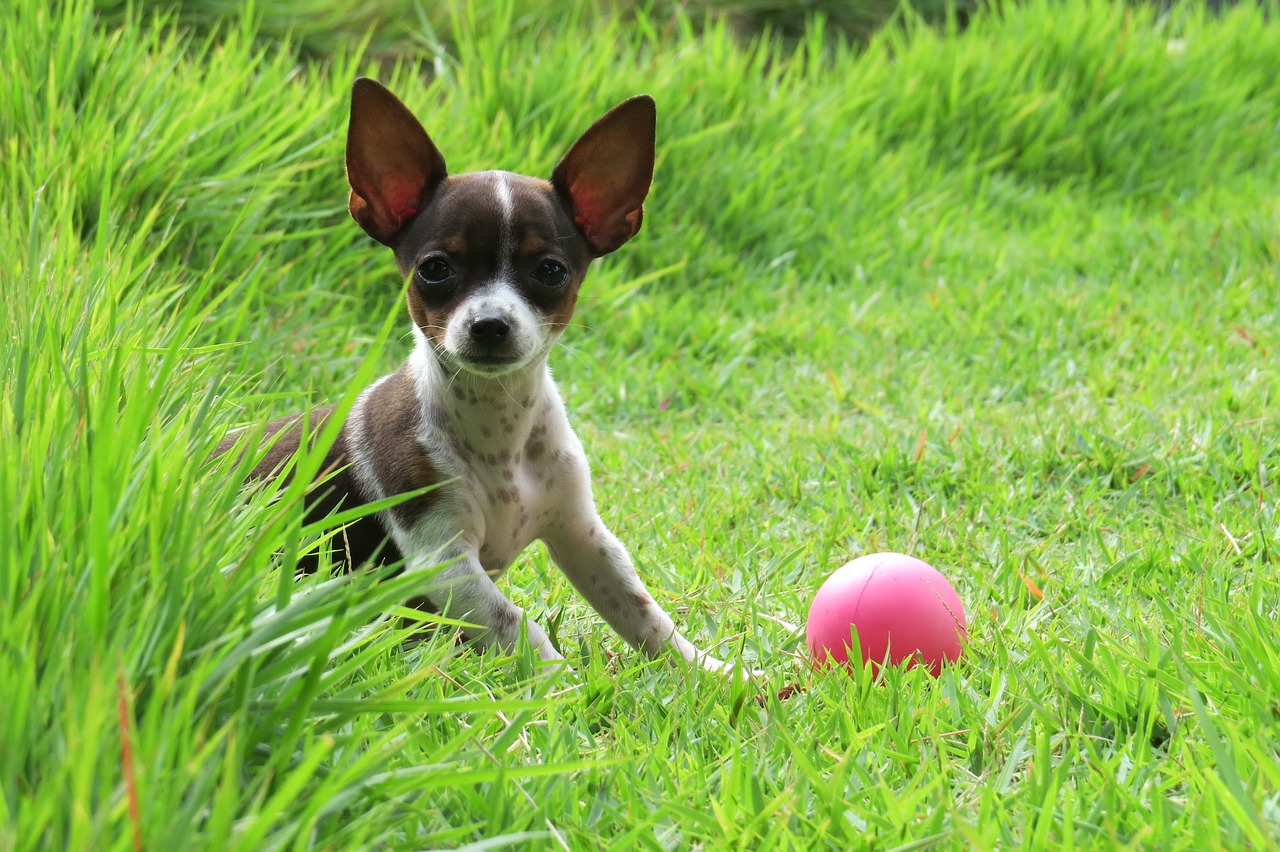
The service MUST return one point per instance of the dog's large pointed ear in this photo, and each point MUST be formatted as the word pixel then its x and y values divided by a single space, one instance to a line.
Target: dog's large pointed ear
pixel 604 178
pixel 392 164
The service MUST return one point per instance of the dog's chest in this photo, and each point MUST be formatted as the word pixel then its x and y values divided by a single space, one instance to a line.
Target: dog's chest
pixel 509 469
pixel 508 502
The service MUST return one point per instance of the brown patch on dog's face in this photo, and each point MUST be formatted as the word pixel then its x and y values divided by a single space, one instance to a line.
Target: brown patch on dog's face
pixel 489 229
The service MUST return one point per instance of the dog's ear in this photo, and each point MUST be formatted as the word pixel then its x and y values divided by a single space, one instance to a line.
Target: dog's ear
pixel 604 178
pixel 392 164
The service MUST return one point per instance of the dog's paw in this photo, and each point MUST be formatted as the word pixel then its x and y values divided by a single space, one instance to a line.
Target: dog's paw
pixel 542 646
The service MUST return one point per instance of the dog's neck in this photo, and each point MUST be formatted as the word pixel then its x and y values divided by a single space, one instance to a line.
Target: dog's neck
pixel 491 416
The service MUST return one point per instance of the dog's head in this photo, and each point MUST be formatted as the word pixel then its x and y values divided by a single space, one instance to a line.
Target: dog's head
pixel 496 258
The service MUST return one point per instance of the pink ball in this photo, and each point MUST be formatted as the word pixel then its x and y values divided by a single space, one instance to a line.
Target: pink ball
pixel 900 605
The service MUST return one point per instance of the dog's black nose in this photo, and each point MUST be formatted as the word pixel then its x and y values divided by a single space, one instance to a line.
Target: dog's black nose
pixel 490 330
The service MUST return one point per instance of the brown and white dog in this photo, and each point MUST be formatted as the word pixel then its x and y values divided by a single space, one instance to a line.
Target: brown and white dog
pixel 496 261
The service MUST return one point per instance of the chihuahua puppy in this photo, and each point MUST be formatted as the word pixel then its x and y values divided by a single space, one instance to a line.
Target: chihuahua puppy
pixel 496 260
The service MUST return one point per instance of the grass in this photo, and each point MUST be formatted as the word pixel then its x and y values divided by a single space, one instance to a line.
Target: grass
pixel 1005 300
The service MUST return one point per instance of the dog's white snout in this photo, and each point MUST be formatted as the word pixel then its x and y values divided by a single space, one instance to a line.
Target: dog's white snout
pixel 494 330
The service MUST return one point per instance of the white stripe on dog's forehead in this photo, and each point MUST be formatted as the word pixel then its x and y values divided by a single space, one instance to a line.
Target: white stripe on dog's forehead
pixel 506 232
pixel 503 189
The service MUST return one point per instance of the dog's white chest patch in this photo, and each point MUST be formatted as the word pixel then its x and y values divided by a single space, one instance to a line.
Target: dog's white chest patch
pixel 508 502
pixel 506 457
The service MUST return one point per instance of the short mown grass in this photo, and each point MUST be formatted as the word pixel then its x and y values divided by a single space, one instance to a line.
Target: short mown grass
pixel 1004 299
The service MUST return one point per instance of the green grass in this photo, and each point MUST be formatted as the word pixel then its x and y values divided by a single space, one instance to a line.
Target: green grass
pixel 1006 300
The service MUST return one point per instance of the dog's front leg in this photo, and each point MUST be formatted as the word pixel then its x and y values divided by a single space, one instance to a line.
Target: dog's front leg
pixel 465 591
pixel 599 567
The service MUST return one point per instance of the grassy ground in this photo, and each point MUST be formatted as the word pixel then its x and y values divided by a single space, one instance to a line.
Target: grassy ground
pixel 1007 301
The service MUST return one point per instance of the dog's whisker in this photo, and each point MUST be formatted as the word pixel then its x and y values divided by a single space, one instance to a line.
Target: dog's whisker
pixel 576 355
pixel 453 378
pixel 510 396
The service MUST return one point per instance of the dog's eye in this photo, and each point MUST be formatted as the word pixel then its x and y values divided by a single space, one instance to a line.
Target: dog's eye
pixel 434 270
pixel 551 273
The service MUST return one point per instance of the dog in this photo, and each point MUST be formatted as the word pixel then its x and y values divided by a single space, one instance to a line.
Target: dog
pixel 496 261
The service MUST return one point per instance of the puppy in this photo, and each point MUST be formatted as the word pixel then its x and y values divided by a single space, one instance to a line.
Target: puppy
pixel 496 261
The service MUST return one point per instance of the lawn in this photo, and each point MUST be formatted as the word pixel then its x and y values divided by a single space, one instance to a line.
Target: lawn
pixel 1004 297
